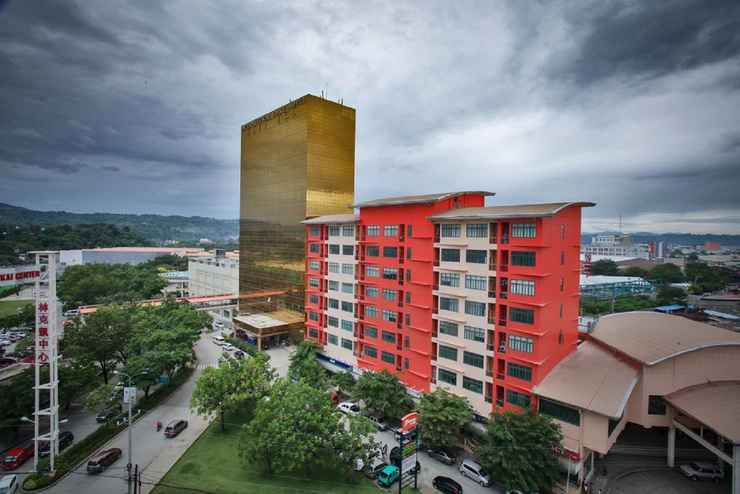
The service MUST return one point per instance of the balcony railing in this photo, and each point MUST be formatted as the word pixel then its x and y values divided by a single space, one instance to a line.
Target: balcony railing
pixel 489 399
pixel 505 238
pixel 499 403
pixel 500 375
pixel 502 322
pixel 489 373
pixel 491 294
pixel 503 295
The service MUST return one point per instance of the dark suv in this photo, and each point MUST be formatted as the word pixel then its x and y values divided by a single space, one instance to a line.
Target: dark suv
pixel 65 439
pixel 175 427
pixel 447 485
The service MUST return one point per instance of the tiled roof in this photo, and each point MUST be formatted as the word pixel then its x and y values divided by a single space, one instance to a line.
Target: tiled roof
pixel 514 211
pixel 420 199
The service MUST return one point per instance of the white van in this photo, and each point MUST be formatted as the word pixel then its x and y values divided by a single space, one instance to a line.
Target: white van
pixel 218 339
pixel 472 470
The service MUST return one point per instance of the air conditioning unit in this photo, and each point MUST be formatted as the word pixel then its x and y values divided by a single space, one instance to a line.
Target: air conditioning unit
pixel 502 348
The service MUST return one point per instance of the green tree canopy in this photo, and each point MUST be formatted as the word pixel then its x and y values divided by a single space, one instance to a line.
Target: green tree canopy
pixel 443 416
pixel 605 267
pixel 91 284
pixel 519 451
pixel 635 271
pixel 305 367
pixel 666 273
pixel 383 394
pixel 345 381
pixel 705 278
pixel 668 295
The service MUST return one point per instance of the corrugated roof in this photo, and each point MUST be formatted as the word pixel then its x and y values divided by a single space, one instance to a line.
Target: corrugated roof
pixel 716 405
pixel 332 218
pixel 652 337
pixel 590 378
pixel 512 211
pixel 418 199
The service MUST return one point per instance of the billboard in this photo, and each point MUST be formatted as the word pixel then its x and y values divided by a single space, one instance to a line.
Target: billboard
pixel 18 275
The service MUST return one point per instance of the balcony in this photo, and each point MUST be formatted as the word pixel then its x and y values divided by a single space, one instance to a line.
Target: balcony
pixel 500 375
pixel 504 267
pixel 505 238
pixel 499 403
pixel 489 373
pixel 489 399
pixel 503 295
pixel 491 294
pixel 502 322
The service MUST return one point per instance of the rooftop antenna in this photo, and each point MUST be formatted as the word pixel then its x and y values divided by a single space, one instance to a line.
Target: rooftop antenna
pixel 620 223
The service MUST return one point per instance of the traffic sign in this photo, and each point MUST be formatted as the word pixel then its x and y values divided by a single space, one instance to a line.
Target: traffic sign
pixel 129 394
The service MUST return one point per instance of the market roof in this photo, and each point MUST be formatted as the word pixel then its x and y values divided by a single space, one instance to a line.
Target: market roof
pixel 512 211
pixel 419 199
pixel 605 280
pixel 715 404
pixel 652 337
pixel 591 378
pixel 331 218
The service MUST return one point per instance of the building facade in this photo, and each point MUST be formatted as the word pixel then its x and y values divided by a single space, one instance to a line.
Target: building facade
pixel 617 245
pixel 447 293
pixel 214 275
pixel 121 255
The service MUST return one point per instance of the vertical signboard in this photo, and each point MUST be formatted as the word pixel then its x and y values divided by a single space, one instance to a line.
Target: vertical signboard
pixel 408 443
pixel 45 357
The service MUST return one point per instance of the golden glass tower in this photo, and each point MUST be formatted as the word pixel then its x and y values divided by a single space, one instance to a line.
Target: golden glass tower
pixel 297 161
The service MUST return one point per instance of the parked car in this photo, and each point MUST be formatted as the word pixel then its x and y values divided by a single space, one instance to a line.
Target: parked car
pixel 9 484
pixel 378 423
pixel 239 354
pixel 349 407
pixel 374 471
pixel 472 470
pixel 229 347
pixel 441 455
pixel 388 476
pixel 107 414
pixel 7 361
pixel 17 456
pixel 702 470
pixel 175 427
pixel 447 485
pixel 65 439
pixel 103 460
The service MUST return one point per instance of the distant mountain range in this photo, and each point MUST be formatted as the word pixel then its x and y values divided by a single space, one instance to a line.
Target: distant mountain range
pixel 154 227
pixel 674 238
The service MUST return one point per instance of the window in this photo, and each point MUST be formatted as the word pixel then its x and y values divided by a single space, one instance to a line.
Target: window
pixel 409 231
pixel 332 338
pixel 408 252
pixel 562 232
pixel 408 297
pixel 388 357
pixel 473 359
pixel 371 352
pixel 560 412
pixel 406 341
pixel 372 250
pixel 371 292
pixel 450 304
pixel 348 269
pixel 449 279
pixel 475 256
pixel 333 267
pixel 449 328
pixel 562 258
pixel 333 230
pixel 348 307
pixel 372 271
pixel 408 275
pixel 522 258
pixel 407 319
pixel 314 282
pixel 389 337
pixel 474 334
pixel 390 231
pixel 371 332
pixel 348 325
pixel 348 250
pixel 315 248
pixel 373 230
pixel 333 303
pixel 348 230
pixel 314 265
pixel 476 282
pixel 314 316
pixel 389 294
pixel 450 255
pixel 390 273
pixel 449 231
pixel 333 286
pixel 525 316
pixel 447 376
pixel 475 308
pixel 315 230
pixel 390 252
pixel 562 284
pixel 656 405
pixel 348 288
pixel 313 299
pixel 518 399
pixel 477 230
pixel 561 311
pixel 519 371
pixel 473 385
pixel 346 343
pixel 333 248
pixel 523 230
pixel 522 287
pixel 332 321
pixel 389 315
pixel 448 352
pixel 521 344
pixel 371 311
pixel 313 333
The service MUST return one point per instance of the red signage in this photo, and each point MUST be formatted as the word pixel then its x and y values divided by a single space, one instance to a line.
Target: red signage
pixel 409 422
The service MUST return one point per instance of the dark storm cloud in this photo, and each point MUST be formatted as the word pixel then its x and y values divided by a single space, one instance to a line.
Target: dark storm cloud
pixel 136 106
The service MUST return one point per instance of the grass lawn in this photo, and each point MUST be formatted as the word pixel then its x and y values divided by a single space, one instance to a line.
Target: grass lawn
pixel 212 464
pixel 8 307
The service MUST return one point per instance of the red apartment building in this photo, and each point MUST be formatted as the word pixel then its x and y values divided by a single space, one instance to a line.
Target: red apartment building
pixel 445 292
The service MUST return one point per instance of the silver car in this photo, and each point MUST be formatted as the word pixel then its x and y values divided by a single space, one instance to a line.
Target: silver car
pixel 701 470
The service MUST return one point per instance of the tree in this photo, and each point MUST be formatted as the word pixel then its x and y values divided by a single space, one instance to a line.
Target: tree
pixel 443 416
pixel 383 394
pixel 90 284
pixel 298 430
pixel 345 381
pixel 666 273
pixel 605 267
pixel 670 295
pixel 705 278
pixel 519 451
pixel 101 398
pixel 305 367
pixel 635 271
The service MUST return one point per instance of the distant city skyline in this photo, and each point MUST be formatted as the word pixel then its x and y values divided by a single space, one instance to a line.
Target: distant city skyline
pixel 629 105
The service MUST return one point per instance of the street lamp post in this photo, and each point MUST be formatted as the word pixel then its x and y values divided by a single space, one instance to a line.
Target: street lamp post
pixel 130 424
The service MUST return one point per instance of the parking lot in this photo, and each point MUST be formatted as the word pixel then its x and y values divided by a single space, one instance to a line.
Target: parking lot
pixel 665 481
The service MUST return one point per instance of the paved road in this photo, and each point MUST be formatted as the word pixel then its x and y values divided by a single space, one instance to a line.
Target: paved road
pixel 154 453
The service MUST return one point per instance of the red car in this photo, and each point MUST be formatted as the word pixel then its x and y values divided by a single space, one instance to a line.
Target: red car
pixel 17 456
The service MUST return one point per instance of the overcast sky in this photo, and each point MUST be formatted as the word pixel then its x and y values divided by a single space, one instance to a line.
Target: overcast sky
pixel 126 106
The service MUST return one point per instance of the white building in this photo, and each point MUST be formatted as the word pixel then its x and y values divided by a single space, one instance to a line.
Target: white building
pixel 121 255
pixel 214 275
pixel 611 245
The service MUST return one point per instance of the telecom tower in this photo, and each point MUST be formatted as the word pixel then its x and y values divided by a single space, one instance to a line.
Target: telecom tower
pixel 46 390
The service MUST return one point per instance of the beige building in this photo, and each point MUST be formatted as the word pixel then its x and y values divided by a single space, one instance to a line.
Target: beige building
pixel 214 275
pixel 654 370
